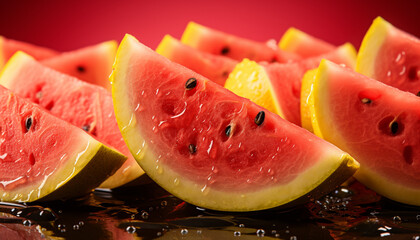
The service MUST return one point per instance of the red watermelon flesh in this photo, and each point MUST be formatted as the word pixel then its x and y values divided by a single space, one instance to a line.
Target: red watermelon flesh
pixel 376 123
pixel 205 144
pixel 84 105
pixel 286 79
pixel 391 56
pixel 44 157
pixel 92 64
pixel 214 67
pixel 8 47
pixel 220 43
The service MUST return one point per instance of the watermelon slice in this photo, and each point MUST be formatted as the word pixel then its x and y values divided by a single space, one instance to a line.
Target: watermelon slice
pixel 303 44
pixel 213 67
pixel 219 43
pixel 376 123
pixel 92 64
pixel 45 158
pixel 8 47
pixel 84 105
pixel 212 148
pixel 285 80
pixel 391 56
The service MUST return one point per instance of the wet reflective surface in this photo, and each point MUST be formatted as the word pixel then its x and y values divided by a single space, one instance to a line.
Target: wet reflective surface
pixel 148 212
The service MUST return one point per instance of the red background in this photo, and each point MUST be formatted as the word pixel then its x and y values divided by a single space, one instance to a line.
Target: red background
pixel 66 25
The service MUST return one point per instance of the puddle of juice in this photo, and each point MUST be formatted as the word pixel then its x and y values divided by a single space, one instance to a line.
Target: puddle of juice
pixel 148 212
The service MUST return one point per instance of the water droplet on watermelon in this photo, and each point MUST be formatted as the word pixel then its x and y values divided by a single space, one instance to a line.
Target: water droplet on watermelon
pixel 130 229
pixel 388 74
pixel 260 232
pixel 205 190
pixel 176 181
pixel 236 233
pixel 159 169
pixel 131 123
pixel 400 58
pixel 396 219
pixel 402 72
pixel 27 223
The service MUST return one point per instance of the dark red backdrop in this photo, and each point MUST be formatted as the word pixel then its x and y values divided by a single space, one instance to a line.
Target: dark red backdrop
pixel 65 25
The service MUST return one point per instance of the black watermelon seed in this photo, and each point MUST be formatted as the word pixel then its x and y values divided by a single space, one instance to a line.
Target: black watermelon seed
pixel 259 119
pixel 394 127
pixel 86 128
pixel 366 100
pixel 191 83
pixel 28 123
pixel 418 94
pixel 225 50
pixel 228 130
pixel 81 69
pixel 192 148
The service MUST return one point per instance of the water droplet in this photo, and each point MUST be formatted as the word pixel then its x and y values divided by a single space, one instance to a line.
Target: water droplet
pixel 130 229
pixel 81 223
pixel 400 58
pixel 241 225
pixel 63 230
pixel 388 74
pixel 236 233
pixel 293 238
pixel 418 217
pixel 260 232
pixel 158 234
pixel 396 219
pixel 27 223
pixel 416 237
pixel 385 234
pixel 164 203
pixel 402 72
pixel 199 231
pixel 145 215
pixel 176 181
pixel 273 232
pixel 159 169
pixel 184 231
pixel 76 227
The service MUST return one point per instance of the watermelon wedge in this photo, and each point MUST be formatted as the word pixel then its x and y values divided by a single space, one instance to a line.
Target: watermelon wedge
pixel 86 106
pixel 213 67
pixel 219 43
pixel 285 80
pixel 212 148
pixel 92 64
pixel 303 44
pixel 45 158
pixel 391 56
pixel 377 124
pixel 8 47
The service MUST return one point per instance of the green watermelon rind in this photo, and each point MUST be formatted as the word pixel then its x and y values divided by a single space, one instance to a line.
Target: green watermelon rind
pixel 335 167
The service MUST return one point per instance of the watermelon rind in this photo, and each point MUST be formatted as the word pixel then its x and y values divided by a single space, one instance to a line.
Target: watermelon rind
pixel 334 168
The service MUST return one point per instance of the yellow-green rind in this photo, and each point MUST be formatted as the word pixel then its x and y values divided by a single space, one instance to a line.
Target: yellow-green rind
pixel 250 80
pixel 325 126
pixel 370 46
pixel 85 170
pixel 305 99
pixel 333 164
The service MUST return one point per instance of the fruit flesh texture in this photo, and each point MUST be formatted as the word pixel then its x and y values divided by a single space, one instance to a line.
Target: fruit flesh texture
pixel 8 47
pixel 377 124
pixel 213 67
pixel 92 64
pixel 251 168
pixel 219 43
pixel 45 159
pixel 303 44
pixel 84 105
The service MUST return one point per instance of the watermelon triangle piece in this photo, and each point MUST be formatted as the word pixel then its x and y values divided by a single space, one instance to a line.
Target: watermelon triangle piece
pixel 213 67
pixel 8 47
pixel 376 123
pixel 220 43
pixel 212 148
pixel 45 158
pixel 84 105
pixel 92 64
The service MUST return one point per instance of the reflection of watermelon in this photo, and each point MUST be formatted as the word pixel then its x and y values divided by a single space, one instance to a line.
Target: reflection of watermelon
pixel 210 147
pixel 84 105
pixel 378 124
pixel 45 158
pixel 391 56
pixel 219 43
pixel 92 64
pixel 213 67
pixel 8 47
pixel 303 44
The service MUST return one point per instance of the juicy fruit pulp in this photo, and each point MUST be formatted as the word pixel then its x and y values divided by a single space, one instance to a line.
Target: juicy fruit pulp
pixel 391 56
pixel 213 67
pixel 8 47
pixel 303 44
pixel 219 43
pixel 84 105
pixel 284 81
pixel 92 64
pixel 45 158
pixel 378 124
pixel 210 147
